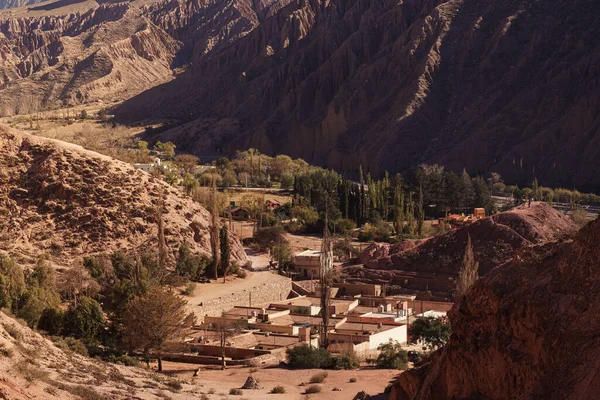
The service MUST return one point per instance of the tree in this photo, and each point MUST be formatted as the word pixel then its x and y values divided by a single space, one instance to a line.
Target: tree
pixel 189 183
pixel 225 251
pixel 469 270
pixel 468 197
pixel 221 331
pixel 398 206
pixel 305 357
pixel 84 320
pixel 420 213
pixel 214 231
pixel 434 332
pixel 392 356
pixel 189 265
pixel 12 283
pixel 167 150
pixel 269 237
pixel 162 245
pixel 187 162
pixel 154 322
pixel 326 281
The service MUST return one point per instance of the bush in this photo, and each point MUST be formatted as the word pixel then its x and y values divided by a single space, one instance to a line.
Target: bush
pixel 242 274
pixel 306 357
pixel 235 392
pixel 189 289
pixel 344 226
pixel 392 356
pixel 173 384
pixel 347 361
pixel 318 378
pixel 278 390
pixel 69 344
pixel 579 217
pixel 313 389
pixel 353 380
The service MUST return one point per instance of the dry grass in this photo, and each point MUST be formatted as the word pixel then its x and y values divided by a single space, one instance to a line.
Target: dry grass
pixel 313 389
pixel 318 378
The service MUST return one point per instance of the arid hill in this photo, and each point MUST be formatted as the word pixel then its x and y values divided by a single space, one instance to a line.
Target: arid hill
pixel 502 85
pixel 33 367
pixel 67 202
pixel 434 263
pixel 527 330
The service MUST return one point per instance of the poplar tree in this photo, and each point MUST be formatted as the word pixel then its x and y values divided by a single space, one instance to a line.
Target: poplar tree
pixel 469 270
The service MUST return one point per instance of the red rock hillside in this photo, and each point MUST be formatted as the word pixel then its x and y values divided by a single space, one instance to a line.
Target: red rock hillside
pixel 528 330
pixel 434 264
pixel 59 199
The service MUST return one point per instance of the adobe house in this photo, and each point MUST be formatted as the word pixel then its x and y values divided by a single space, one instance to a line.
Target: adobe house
pixel 307 264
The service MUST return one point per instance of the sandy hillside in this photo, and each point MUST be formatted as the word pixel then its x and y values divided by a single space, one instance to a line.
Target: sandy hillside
pixel 59 199
pixel 32 367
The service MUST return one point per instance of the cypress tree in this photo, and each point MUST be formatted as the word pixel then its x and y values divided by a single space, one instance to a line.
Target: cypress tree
pixel 225 251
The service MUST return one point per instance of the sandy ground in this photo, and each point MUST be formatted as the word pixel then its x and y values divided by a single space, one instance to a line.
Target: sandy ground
pixel 372 381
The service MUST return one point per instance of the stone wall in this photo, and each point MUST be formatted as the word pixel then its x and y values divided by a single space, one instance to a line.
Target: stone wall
pixel 261 295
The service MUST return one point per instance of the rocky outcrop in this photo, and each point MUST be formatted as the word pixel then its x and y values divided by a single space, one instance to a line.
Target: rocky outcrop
pixel 527 330
pixel 67 202
pixel 434 264
pixel 501 85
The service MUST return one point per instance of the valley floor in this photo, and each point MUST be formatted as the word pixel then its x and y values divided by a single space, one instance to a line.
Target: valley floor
pixel 372 381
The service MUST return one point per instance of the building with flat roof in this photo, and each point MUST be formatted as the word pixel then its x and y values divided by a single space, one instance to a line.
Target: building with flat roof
pixel 306 264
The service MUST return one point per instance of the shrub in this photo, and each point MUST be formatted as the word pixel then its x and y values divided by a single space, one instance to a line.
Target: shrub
pixel 313 389
pixel 173 384
pixel 353 380
pixel 189 289
pixel 4 352
pixel 235 392
pixel 51 321
pixel 318 378
pixel 344 226
pixel 306 357
pixel 212 391
pixel 278 390
pixel 346 361
pixel 13 331
pixel 392 356
pixel 242 274
pixel 579 217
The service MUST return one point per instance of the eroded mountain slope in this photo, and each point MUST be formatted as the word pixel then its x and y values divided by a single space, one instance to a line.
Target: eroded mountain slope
pixel 505 85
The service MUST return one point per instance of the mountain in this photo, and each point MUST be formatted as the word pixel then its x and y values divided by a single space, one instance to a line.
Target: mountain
pixel 527 330
pixel 434 264
pixel 4 4
pixel 505 85
pixel 68 52
pixel 61 200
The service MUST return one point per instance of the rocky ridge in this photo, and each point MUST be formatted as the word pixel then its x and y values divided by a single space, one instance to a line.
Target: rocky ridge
pixel 67 202
pixel 527 330
pixel 434 264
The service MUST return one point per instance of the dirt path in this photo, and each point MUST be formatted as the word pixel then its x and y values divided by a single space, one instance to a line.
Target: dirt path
pixel 372 381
